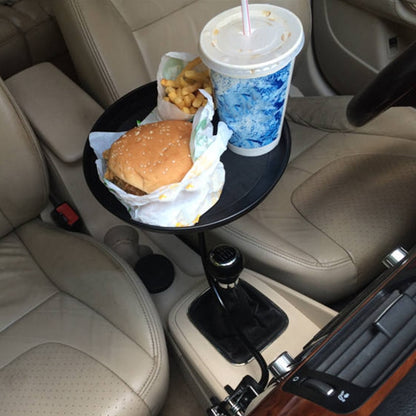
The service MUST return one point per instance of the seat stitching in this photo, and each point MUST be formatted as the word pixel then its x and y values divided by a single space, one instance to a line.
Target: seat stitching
pixel 321 231
pixel 306 150
pixel 155 346
pixel 314 226
pixel 60 292
pixel 29 138
pixel 10 39
pixel 299 119
pixel 279 252
pixel 142 301
pixel 162 17
pixel 140 48
pixel 32 309
pixel 5 217
pixel 94 51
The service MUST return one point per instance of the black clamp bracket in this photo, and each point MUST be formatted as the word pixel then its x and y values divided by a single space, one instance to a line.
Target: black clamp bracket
pixel 236 403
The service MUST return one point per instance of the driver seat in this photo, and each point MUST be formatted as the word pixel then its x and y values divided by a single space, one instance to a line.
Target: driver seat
pixel 348 196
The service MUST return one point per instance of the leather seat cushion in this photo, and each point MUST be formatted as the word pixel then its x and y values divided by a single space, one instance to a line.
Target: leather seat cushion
pixel 321 230
pixel 77 331
pixel 351 199
pixel 35 382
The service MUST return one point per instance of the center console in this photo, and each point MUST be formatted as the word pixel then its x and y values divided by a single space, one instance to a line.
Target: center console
pixel 348 361
pixel 209 369
pixel 343 363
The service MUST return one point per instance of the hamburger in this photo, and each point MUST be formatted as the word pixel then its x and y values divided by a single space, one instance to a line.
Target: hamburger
pixel 150 156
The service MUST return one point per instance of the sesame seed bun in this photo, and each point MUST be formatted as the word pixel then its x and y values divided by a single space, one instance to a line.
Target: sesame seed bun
pixel 150 156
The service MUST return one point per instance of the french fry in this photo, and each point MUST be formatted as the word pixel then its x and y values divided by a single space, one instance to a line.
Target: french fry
pixel 187 99
pixel 189 89
pixel 190 65
pixel 168 83
pixel 197 102
pixel 183 91
pixel 182 82
pixel 179 102
pixel 197 76
pixel 172 95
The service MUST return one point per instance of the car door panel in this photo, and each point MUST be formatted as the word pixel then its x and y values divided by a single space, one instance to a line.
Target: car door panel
pixel 355 39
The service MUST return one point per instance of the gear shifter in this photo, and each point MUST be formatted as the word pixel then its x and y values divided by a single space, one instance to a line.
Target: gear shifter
pixel 225 264
pixel 232 307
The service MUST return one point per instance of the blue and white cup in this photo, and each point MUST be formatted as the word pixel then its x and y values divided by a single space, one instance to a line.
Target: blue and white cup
pixel 251 75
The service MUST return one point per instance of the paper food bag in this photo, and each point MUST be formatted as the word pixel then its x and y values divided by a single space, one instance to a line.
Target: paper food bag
pixel 171 65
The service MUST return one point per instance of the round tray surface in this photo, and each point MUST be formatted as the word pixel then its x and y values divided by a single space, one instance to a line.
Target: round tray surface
pixel 248 180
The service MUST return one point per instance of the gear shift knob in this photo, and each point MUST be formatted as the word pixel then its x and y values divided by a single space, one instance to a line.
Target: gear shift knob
pixel 225 263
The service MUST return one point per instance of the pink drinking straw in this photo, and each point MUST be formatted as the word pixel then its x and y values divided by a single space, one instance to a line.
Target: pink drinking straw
pixel 246 18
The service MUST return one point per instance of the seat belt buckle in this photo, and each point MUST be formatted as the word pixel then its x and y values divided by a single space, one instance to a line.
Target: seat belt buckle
pixel 66 217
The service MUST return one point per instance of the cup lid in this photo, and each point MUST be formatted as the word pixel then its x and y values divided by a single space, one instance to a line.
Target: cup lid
pixel 276 38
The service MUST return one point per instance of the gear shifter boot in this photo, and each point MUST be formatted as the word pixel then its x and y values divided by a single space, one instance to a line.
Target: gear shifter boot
pixel 258 318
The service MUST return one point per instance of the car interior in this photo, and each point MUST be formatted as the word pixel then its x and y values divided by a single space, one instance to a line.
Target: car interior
pixel 100 316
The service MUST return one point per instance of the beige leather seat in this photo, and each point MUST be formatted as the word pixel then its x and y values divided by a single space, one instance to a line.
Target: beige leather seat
pixel 78 332
pixel 348 195
pixel 116 45
pixel 29 35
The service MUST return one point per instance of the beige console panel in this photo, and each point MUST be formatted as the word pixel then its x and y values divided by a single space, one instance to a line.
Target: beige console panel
pixel 306 318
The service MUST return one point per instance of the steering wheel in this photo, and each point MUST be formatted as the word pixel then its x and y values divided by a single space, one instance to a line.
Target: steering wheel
pixel 394 85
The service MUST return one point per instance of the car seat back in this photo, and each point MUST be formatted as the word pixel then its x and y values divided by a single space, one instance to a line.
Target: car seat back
pixel 116 45
pixel 24 183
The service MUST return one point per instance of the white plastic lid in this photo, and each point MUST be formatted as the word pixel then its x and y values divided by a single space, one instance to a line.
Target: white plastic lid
pixel 276 38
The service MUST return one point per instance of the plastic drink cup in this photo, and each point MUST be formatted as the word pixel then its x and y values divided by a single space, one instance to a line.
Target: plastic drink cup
pixel 251 75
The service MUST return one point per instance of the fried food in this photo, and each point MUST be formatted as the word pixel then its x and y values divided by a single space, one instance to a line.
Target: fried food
pixel 184 90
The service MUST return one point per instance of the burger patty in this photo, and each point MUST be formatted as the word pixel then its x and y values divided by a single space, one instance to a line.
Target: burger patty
pixel 124 185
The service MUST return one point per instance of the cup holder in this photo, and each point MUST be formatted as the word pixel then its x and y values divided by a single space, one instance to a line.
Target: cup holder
pixel 155 271
pixel 124 240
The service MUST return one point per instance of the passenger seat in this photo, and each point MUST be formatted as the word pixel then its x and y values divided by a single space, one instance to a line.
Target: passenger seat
pixel 79 333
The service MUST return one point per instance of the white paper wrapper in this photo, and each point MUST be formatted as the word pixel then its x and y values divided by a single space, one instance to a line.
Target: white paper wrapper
pixel 180 204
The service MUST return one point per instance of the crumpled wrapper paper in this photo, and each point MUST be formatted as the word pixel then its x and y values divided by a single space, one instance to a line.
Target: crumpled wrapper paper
pixel 179 204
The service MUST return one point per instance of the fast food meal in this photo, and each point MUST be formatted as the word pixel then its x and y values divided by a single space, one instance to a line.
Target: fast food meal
pixel 183 91
pixel 150 156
